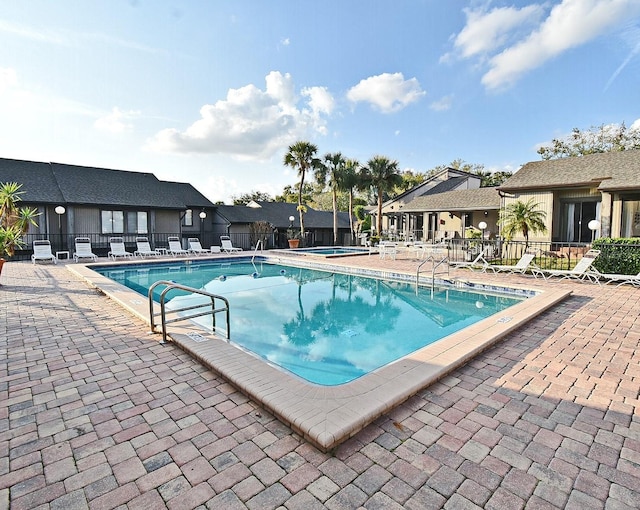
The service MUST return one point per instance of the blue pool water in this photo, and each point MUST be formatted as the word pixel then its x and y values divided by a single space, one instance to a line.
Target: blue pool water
pixel 327 328
pixel 332 251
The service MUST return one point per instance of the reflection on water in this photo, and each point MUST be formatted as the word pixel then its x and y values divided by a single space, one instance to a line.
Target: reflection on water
pixel 327 328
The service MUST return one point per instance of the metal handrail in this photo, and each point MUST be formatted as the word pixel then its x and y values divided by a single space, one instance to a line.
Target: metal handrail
pixel 163 311
pixel 435 263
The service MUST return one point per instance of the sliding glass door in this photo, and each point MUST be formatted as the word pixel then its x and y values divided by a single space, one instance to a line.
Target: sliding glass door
pixel 575 218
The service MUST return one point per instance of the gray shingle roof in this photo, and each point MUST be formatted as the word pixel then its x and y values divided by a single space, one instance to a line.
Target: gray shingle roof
pixel 456 200
pixel 38 182
pixel 608 171
pixel 56 183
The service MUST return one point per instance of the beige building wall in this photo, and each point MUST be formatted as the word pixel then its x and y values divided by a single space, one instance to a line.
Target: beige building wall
pixel 545 201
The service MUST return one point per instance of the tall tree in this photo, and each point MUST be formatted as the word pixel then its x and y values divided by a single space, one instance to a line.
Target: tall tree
pixel 606 138
pixel 257 196
pixel 522 217
pixel 382 175
pixel 301 156
pixel 349 181
pixel 331 170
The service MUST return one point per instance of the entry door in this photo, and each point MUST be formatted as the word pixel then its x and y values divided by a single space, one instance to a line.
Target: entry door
pixel 575 221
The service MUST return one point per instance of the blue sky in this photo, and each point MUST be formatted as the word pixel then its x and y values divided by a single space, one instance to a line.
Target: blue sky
pixel 212 92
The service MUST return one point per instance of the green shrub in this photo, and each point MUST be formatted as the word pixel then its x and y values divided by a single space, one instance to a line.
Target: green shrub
pixel 619 256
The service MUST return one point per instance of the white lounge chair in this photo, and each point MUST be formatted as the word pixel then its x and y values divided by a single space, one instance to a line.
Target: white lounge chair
pixel 387 249
pixel 83 249
pixel 479 263
pixel 520 267
pixel 175 248
pixel 42 251
pixel 117 248
pixel 144 248
pixel 227 246
pixel 196 248
pixel 619 278
pixel 579 272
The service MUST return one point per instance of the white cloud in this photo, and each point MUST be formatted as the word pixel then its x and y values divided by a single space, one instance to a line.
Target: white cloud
pixel 514 41
pixel 488 31
pixel 117 121
pixel 251 123
pixel 387 92
pixel 442 104
pixel 570 24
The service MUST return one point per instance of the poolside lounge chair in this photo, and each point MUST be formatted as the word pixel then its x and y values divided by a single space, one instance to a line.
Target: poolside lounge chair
pixel 144 248
pixel 42 251
pixel 175 248
pixel 227 246
pixel 196 248
pixel 387 249
pixel 479 263
pixel 579 272
pixel 83 249
pixel 620 279
pixel 520 267
pixel 117 248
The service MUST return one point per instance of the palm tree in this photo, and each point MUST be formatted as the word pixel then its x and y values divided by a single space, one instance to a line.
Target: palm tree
pixel 332 168
pixel 349 180
pixel 522 217
pixel 382 175
pixel 301 156
pixel 14 220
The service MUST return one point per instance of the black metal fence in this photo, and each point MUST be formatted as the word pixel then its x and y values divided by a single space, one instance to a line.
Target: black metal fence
pixel 549 255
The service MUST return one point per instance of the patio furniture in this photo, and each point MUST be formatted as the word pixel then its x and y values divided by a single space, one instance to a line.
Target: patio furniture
pixel 83 249
pixel 118 249
pixel 42 251
pixel 579 272
pixel 227 245
pixel 175 248
pixel 144 248
pixel 196 248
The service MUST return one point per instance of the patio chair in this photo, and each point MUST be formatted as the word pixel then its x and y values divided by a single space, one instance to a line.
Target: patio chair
pixel 479 263
pixel 83 249
pixel 227 245
pixel 196 248
pixel 520 267
pixel 42 251
pixel 144 248
pixel 620 279
pixel 175 247
pixel 579 272
pixel 387 249
pixel 118 249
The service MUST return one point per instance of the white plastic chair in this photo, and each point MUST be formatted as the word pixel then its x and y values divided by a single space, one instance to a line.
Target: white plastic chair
pixel 195 247
pixel 144 248
pixel 175 248
pixel 42 251
pixel 117 248
pixel 227 246
pixel 83 249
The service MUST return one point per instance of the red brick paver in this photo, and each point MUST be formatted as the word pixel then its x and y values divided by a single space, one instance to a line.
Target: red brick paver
pixel 95 414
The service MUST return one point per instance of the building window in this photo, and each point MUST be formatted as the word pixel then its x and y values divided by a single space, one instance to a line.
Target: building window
pixel 630 217
pixel 187 220
pixel 113 222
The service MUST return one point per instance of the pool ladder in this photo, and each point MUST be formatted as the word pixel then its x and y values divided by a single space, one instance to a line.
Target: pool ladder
pixel 224 307
pixel 435 264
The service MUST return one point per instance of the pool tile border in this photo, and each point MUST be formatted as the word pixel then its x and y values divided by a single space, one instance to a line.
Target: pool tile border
pixel 328 415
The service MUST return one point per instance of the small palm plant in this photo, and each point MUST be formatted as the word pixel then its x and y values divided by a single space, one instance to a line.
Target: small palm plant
pixel 522 217
pixel 14 221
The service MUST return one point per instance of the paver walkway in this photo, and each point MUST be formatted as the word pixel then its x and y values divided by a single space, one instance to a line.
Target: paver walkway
pixel 95 414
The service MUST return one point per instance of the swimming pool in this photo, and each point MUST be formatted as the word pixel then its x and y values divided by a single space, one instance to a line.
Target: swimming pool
pixel 329 251
pixel 328 415
pixel 326 327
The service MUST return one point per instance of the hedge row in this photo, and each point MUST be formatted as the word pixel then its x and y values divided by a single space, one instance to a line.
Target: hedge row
pixel 619 256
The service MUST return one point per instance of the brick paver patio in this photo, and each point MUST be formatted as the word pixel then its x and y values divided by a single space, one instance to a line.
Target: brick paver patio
pixel 95 414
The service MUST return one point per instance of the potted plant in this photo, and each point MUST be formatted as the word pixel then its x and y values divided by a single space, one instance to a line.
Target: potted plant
pixel 14 220
pixel 293 237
